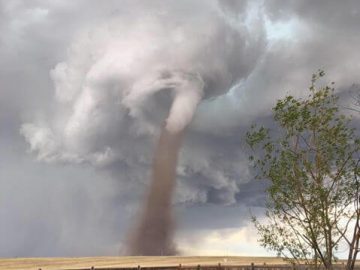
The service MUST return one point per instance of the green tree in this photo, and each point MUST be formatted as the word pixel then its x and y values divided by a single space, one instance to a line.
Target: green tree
pixel 311 161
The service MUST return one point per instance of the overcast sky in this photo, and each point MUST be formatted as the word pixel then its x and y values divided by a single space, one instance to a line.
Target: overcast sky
pixel 76 147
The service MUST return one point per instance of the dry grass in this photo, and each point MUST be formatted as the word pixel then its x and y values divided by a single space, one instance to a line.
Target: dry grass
pixel 108 262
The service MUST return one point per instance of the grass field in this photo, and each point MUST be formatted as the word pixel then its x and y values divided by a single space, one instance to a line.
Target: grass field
pixel 107 262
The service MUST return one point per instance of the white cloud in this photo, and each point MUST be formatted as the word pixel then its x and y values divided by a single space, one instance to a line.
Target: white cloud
pixel 222 242
pixel 116 85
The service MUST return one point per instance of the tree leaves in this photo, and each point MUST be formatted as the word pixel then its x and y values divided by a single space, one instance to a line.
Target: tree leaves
pixel 311 162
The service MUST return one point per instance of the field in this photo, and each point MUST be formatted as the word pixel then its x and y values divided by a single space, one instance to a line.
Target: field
pixel 109 262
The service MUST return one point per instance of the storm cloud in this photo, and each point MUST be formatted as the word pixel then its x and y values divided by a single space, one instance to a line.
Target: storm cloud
pixel 85 152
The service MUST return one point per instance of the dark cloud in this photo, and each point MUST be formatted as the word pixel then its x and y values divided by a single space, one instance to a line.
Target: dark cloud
pixel 45 208
pixel 331 16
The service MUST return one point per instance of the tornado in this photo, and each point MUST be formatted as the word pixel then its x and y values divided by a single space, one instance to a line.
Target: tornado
pixel 154 232
pixel 156 227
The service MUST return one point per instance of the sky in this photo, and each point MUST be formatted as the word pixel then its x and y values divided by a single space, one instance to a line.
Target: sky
pixel 79 116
